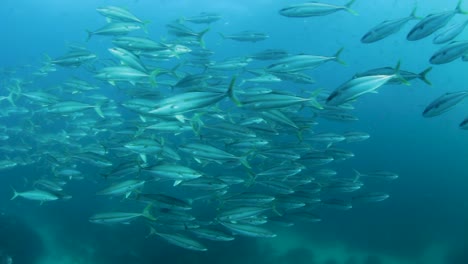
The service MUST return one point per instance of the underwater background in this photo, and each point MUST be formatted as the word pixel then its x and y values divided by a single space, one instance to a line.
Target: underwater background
pixel 425 219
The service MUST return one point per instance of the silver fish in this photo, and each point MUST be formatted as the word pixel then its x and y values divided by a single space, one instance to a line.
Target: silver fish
pixel 314 8
pixel 432 23
pixel 444 103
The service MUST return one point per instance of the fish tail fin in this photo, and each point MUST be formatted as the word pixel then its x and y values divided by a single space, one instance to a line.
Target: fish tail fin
pixel 245 162
pixel 15 193
pixel 173 70
pixel 337 57
pixel 152 77
pixel 423 74
pixel 98 110
pixel 357 176
pixel 90 34
pixel 48 58
pixel 348 5
pixel 313 99
pixel 275 210
pixel 252 178
pixel 458 8
pixel 230 92
pixel 9 98
pixel 152 232
pixel 200 37
pixel 147 212
pixel 413 13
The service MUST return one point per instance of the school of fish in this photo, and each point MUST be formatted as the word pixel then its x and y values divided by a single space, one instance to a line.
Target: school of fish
pixel 205 150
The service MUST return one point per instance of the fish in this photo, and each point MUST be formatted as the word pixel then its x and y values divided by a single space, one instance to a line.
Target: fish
pixel 128 58
pixel 464 124
pixel 206 152
pixel 246 36
pixel 7 164
pixel 138 44
pixel 337 204
pixel 444 103
pixel 296 63
pixel 211 234
pixel 180 30
pixel 353 89
pixel 122 188
pixel 387 28
pixel 379 174
pixel 68 107
pixel 202 18
pixel 119 13
pixel 115 74
pixel 180 240
pixel 248 230
pixel 174 172
pixel 240 213
pixel 270 54
pixel 165 201
pixel 73 58
pixel 370 197
pixel 120 217
pixel 450 52
pixel 190 101
pixel 277 100
pixel 406 76
pixel 355 136
pixel 35 195
pixel 433 22
pixel 114 29
pixel 449 33
pixel 205 184
pixel 314 8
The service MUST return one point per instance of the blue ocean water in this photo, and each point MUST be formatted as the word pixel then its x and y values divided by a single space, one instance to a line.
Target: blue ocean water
pixel 425 220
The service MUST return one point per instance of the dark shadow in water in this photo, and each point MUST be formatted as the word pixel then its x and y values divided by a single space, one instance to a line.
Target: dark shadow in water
pixel 19 241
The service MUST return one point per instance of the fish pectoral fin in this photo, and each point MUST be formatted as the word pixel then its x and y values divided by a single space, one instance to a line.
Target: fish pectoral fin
pixel 177 182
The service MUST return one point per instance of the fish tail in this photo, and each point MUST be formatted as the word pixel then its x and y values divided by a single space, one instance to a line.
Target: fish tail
pixel 275 210
pixel 413 13
pixel 337 57
pixel 90 34
pixel 173 70
pixel 313 99
pixel 423 74
pixel 458 8
pixel 147 212
pixel 245 162
pixel 9 98
pixel 231 93
pixel 200 37
pixel 348 5
pixel 15 193
pixel 98 110
pixel 152 77
pixel 152 232
pixel 357 176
